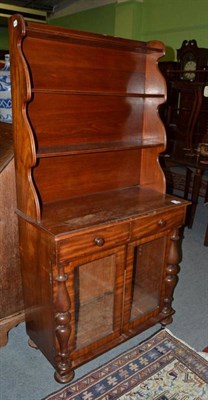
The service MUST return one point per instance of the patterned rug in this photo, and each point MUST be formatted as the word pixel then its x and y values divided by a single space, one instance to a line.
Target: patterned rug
pixel 161 368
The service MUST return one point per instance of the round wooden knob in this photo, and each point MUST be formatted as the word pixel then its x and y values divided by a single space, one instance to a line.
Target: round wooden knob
pixel 161 223
pixel 99 241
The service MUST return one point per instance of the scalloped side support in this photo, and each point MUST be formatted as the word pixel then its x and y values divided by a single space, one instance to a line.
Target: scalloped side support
pixel 27 199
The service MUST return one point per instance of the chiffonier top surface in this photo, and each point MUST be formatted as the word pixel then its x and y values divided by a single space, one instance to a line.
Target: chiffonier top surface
pixel 105 208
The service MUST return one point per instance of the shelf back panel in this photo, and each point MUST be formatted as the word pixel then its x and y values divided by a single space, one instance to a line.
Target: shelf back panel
pixel 71 119
pixel 56 64
pixel 62 178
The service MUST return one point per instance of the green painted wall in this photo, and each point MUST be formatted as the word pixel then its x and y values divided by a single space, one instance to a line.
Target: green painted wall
pixel 117 19
pixel 170 21
pixel 173 21
pixel 99 20
pixel 128 19
pixel 4 39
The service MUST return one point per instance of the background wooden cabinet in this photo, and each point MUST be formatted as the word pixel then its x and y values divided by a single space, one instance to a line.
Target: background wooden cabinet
pixel 11 299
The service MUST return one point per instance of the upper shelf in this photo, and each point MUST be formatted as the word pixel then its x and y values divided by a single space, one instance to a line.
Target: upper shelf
pixel 74 36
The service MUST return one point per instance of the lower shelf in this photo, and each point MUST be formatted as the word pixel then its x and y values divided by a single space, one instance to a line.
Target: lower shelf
pixel 94 320
pixel 143 303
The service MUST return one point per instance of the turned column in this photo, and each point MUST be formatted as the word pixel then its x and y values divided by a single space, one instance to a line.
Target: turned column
pixel 64 372
pixel 171 278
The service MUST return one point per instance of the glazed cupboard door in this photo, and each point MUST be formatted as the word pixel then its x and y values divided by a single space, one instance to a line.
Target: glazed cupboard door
pixel 95 288
pixel 144 280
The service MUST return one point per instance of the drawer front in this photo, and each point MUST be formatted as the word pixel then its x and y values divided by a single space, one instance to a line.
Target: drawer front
pixel 93 241
pixel 152 224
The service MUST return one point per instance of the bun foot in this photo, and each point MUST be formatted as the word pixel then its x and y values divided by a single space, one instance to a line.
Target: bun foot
pixel 64 378
pixel 167 321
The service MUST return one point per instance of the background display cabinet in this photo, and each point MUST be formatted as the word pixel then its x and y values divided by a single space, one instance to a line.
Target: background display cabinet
pixel 98 235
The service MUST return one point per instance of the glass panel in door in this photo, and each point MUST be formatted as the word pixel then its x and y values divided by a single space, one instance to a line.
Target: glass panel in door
pixel 147 277
pixel 94 300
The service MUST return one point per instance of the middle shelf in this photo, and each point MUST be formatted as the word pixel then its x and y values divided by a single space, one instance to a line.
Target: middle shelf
pixel 99 147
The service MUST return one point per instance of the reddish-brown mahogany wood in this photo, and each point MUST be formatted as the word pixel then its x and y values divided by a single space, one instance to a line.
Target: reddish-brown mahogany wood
pixel 98 239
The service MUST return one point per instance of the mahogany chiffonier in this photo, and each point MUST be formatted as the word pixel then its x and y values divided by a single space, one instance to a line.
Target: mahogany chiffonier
pixel 98 235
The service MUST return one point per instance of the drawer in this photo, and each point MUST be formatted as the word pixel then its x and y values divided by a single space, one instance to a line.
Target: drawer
pixel 152 224
pixel 92 241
